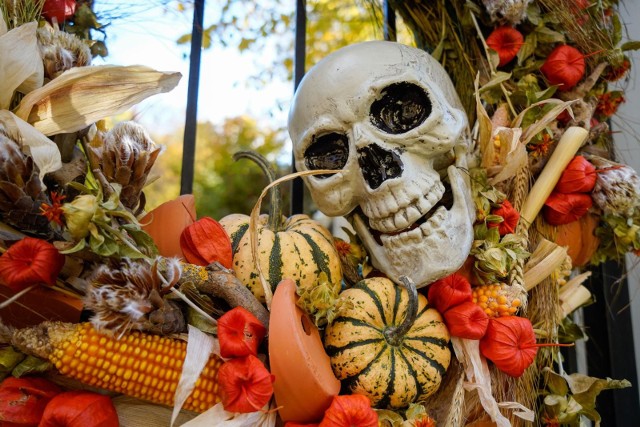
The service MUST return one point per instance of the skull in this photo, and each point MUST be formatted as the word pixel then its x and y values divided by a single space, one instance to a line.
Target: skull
pixel 388 117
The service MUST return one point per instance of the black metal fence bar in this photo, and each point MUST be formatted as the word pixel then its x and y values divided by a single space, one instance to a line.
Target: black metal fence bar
pixel 297 186
pixel 191 121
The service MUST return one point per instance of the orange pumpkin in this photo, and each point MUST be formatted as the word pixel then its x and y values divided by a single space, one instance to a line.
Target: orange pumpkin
pixel 580 239
pixel 166 222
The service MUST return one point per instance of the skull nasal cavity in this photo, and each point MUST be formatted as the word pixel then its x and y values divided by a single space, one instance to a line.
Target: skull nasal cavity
pixel 400 108
pixel 378 165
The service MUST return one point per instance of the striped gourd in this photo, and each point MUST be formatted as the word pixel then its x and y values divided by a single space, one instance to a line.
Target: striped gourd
pixel 297 247
pixel 388 344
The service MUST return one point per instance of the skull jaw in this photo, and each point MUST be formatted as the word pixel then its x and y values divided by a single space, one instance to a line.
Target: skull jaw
pixel 435 249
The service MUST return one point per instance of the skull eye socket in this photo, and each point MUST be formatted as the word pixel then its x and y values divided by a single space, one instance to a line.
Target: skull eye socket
pixel 329 151
pixel 400 108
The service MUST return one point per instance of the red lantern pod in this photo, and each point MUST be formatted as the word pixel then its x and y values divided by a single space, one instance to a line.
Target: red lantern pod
pixel 510 344
pixel 23 400
pixel 239 333
pixel 466 320
pixel 246 384
pixel 80 409
pixel 579 177
pixel 205 241
pixel 350 410
pixel 449 291
pixel 564 67
pixel 28 262
pixel 507 41
pixel 510 218
pixel 565 208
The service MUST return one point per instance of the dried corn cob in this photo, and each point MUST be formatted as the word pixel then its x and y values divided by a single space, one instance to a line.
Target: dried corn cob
pixel 496 300
pixel 136 364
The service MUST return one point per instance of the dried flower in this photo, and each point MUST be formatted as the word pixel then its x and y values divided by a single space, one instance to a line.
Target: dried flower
pixel 578 177
pixel 246 384
pixel 564 66
pixel 240 333
pixel 507 41
pixel 510 344
pixel 29 262
pixel 79 213
pixel 350 410
pixel 617 189
pixel 53 212
pixel 449 292
pixel 466 320
pixel 510 217
pixel 608 104
pixel 615 72
pixel 563 208
pixel 321 300
pixel 541 148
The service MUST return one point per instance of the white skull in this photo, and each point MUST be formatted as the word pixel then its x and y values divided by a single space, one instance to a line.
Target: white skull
pixel 388 116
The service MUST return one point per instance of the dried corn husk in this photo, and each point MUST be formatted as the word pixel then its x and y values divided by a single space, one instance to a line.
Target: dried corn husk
pixel 43 151
pixel 573 295
pixel 546 258
pixel 82 96
pixel 21 66
pixel 3 27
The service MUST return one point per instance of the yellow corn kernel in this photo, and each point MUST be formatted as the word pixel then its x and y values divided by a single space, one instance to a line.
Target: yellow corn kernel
pixel 150 374
pixel 496 300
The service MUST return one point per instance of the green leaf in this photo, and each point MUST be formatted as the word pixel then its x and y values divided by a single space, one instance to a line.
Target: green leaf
pixel 533 13
pixel 196 319
pixel 31 365
pixel 632 45
pixel 617 29
pixel 547 35
pixel 496 79
pixel 9 359
pixel 556 383
pixel 528 48
pixel 389 418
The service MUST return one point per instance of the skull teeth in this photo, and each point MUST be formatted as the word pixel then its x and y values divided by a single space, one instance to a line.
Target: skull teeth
pixel 418 234
pixel 407 216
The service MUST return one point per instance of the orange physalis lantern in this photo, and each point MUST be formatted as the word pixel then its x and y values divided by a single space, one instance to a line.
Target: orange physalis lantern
pixel 205 241
pixel 80 409
pixel 466 320
pixel 449 291
pixel 564 67
pixel 350 410
pixel 246 384
pixel 510 344
pixel 29 262
pixel 507 41
pixel 239 333
pixel 578 177
pixel 565 208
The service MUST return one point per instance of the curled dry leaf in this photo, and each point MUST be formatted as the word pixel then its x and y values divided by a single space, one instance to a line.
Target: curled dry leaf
pixel 82 96
pixel 21 66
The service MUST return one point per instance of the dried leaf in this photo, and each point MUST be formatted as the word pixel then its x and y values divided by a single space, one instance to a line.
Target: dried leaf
pixel 20 62
pixel 3 27
pixel 83 95
pixel 199 347
pixel 217 416
pixel 44 152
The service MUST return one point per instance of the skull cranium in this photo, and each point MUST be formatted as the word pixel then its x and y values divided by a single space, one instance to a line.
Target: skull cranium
pixel 388 117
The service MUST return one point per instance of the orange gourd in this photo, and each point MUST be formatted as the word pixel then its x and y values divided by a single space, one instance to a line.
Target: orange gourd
pixel 578 236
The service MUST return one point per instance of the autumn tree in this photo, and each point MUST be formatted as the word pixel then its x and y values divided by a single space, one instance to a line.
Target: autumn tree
pixel 221 185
